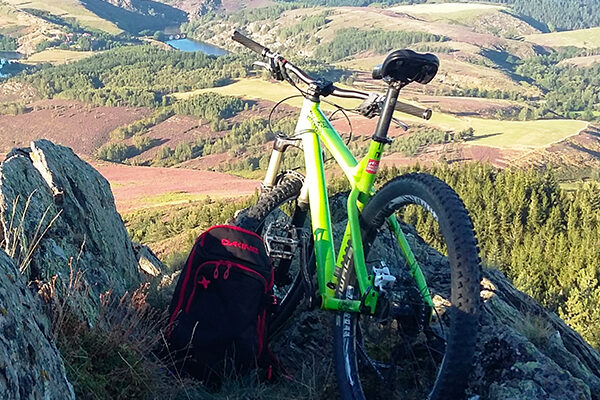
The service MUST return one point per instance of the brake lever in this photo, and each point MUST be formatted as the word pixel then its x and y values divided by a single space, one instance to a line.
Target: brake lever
pixel 400 124
pixel 273 68
pixel 371 107
pixel 263 65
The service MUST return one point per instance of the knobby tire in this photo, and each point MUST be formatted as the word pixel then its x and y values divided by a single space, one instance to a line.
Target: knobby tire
pixel 253 218
pixel 457 229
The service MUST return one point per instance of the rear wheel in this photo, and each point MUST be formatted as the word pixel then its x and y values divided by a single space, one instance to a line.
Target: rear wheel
pixel 400 352
pixel 277 218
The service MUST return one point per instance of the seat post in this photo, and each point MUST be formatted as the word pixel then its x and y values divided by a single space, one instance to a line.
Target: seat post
pixel 387 112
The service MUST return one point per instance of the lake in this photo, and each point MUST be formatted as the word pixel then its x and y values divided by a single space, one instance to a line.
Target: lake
pixel 5 58
pixel 193 45
pixel 2 62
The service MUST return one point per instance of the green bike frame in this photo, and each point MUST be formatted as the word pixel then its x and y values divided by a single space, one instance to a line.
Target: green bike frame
pixel 313 128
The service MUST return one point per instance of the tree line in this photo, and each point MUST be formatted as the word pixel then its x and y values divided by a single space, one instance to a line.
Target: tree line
pixel 560 14
pixel 136 76
pixel 7 43
pixel 350 41
pixel 544 238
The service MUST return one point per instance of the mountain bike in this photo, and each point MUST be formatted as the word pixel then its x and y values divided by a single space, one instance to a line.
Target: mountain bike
pixel 394 336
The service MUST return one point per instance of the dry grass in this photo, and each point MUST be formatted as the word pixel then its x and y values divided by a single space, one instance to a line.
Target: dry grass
pixel 586 38
pixel 582 62
pixel 19 244
pixel 58 56
pixel 535 328
pixel 448 11
pixel 66 9
pixel 121 354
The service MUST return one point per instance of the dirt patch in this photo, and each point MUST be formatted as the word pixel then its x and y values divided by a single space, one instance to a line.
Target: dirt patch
pixel 455 153
pixel 77 125
pixel 131 185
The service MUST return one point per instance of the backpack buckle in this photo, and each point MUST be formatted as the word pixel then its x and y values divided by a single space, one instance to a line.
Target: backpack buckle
pixel 270 302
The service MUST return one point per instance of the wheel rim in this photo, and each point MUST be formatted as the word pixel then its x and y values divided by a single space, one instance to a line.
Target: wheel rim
pixel 393 359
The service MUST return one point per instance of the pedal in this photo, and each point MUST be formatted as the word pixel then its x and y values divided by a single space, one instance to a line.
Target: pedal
pixel 383 278
pixel 281 240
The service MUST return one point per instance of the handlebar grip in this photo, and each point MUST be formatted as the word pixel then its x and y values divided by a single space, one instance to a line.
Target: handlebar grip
pixel 417 111
pixel 249 43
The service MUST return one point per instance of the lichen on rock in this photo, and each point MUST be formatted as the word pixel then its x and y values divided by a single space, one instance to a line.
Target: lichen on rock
pixel 57 216
pixel 30 364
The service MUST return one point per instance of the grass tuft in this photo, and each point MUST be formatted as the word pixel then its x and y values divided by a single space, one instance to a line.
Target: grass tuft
pixel 535 328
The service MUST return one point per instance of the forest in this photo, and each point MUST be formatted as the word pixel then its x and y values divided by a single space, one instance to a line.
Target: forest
pixel 559 14
pixel 350 41
pixel 7 43
pixel 556 15
pixel 136 76
pixel 544 238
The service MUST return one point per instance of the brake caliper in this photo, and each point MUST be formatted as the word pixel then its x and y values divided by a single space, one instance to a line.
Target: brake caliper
pixel 383 278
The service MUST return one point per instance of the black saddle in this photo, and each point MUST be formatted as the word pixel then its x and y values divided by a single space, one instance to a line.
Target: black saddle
pixel 407 66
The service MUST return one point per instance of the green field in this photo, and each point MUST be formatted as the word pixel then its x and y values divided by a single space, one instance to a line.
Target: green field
pixel 66 9
pixel 58 56
pixel 586 38
pixel 516 135
pixel 259 89
pixel 172 198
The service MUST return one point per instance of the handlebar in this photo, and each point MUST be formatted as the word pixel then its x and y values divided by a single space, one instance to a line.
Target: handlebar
pixel 249 43
pixel 276 59
pixel 416 111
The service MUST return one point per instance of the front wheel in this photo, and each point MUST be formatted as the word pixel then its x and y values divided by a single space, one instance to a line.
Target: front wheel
pixel 401 352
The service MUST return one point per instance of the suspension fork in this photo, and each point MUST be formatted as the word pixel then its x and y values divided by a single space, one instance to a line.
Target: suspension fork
pixel 413 265
pixel 280 145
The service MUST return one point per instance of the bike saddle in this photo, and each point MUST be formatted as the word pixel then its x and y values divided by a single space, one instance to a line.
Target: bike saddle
pixel 407 66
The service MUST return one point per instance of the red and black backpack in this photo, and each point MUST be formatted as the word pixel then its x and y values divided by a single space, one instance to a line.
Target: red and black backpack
pixel 220 306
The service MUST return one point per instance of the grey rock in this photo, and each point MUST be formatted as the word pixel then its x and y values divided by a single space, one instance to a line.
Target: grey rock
pixel 57 217
pixel 30 364
pixel 528 352
pixel 147 260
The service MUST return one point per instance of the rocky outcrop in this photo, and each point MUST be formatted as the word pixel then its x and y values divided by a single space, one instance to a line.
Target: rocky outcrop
pixel 524 352
pixel 527 352
pixel 57 217
pixel 30 365
pixel 147 260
